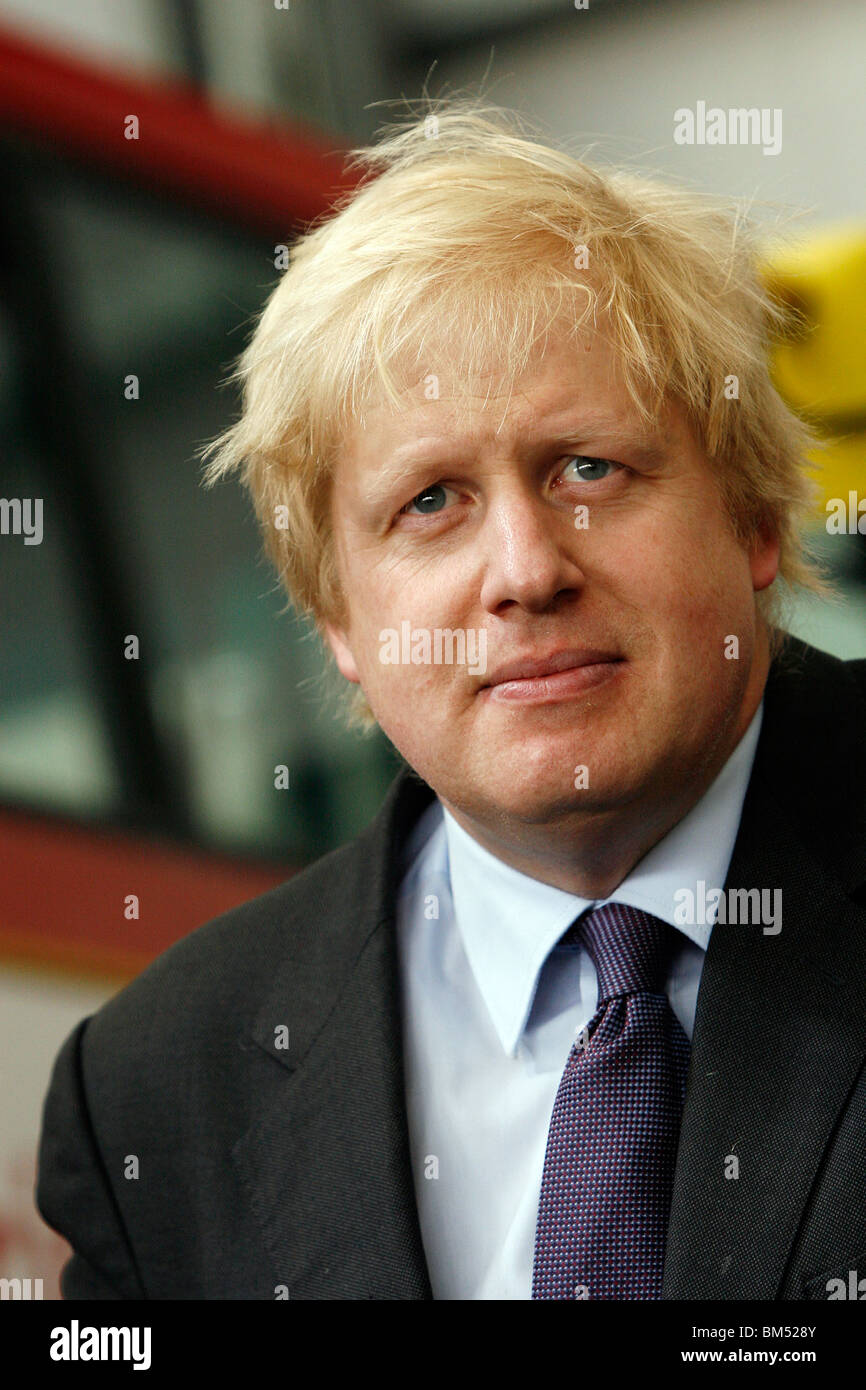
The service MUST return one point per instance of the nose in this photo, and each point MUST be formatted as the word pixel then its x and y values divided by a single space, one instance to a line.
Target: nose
pixel 528 553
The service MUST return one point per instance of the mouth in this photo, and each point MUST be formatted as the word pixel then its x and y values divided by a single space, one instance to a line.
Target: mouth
pixel 543 680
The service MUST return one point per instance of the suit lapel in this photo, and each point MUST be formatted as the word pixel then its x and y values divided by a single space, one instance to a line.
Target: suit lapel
pixel 326 1162
pixel 779 1030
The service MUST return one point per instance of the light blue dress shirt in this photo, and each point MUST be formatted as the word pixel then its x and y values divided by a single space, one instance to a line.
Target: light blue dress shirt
pixel 490 1016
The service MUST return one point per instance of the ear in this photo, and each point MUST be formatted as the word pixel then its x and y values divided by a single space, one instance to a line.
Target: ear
pixel 338 642
pixel 764 556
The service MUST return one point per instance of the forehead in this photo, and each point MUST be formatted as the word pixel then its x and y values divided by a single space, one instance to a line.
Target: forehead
pixel 569 384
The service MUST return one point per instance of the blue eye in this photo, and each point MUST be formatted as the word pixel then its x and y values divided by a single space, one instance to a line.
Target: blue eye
pixel 586 467
pixel 432 499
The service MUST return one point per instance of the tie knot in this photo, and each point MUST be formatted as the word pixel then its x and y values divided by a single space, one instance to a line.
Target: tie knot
pixel 630 949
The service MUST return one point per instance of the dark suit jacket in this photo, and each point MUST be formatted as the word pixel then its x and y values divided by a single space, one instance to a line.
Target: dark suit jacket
pixel 262 1166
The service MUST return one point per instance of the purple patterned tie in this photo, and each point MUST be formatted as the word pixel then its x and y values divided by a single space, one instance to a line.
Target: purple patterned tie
pixel 612 1145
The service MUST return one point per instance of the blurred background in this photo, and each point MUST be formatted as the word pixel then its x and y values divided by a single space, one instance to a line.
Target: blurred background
pixel 137 796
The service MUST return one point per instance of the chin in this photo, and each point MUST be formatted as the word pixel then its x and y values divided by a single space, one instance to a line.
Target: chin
pixel 531 802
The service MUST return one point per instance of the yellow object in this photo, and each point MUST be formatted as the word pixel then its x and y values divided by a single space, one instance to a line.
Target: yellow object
pixel 820 371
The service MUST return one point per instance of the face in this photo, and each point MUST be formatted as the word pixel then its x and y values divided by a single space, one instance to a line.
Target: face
pixel 594 559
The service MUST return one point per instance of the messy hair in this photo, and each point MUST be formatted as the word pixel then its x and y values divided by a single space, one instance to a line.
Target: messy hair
pixel 460 217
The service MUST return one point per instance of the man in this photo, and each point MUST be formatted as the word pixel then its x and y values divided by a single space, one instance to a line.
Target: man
pixel 580 1015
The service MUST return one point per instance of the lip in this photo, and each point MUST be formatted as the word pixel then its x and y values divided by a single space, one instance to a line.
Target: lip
pixel 527 668
pixel 560 675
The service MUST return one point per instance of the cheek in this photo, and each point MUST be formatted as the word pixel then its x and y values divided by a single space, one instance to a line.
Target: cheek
pixel 688 589
pixel 691 567
pixel 413 711
pixel 399 685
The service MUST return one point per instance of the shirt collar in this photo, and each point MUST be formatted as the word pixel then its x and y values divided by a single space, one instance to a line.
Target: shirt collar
pixel 510 922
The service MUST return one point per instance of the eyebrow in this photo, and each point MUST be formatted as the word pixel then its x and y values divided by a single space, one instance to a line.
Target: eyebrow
pixel 650 449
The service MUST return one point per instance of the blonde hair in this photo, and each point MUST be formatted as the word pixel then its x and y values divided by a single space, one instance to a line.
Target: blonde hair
pixel 460 218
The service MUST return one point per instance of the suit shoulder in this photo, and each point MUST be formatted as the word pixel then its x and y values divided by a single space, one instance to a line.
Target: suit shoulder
pixel 208 981
pixel 857 669
pixel 799 665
